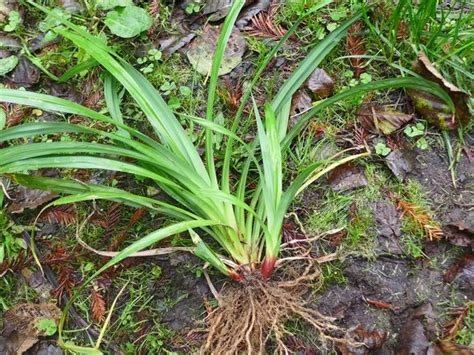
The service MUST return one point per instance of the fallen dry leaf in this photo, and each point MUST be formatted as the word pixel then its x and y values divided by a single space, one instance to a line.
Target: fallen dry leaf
pixel 26 198
pixel 460 233
pixel 453 271
pixel 72 6
pixel 381 119
pixel 347 177
pixel 320 83
pixel 21 324
pixel 433 108
pixel 379 304
pixel 300 103
pixel 25 74
pixel 7 6
pixel 413 337
pixel 217 9
pixel 401 162
pixel 446 347
pixel 201 51
pixel 372 340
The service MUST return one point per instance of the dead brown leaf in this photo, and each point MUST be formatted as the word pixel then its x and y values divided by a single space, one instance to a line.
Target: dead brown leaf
pixel 372 340
pixel 26 198
pixel 382 119
pixel 379 304
pixel 200 52
pixel 460 233
pixel 321 84
pixel 301 102
pixel 433 108
pixel 21 324
pixel 414 338
pixel 347 177
pixel 451 274
pixel 446 347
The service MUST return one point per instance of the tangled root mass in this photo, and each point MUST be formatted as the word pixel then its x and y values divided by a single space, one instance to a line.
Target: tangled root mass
pixel 252 314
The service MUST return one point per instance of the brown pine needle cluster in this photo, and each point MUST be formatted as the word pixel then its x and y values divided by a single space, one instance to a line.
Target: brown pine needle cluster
pixel 263 26
pixel 459 315
pixel 154 8
pixel 360 136
pixel 355 46
pixel 232 94
pixel 14 265
pixel 15 113
pixel 420 216
pixel 122 235
pixel 98 306
pixel 60 260
pixel 64 215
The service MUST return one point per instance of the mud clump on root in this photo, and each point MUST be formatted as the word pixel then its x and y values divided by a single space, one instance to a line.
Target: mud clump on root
pixel 255 311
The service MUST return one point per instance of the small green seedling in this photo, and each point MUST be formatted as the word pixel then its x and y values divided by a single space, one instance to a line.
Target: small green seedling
pixel 167 88
pixel 14 20
pixel 156 271
pixel 193 7
pixel 415 130
pixel 11 242
pixel 382 149
pixel 185 91
pixel 365 78
pixel 47 327
pixel 422 143
pixel 153 56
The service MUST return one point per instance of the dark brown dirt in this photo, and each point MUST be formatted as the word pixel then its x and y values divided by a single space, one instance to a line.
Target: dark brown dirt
pixel 400 282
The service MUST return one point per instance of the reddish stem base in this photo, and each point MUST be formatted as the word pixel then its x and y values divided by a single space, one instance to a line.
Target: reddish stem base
pixel 267 267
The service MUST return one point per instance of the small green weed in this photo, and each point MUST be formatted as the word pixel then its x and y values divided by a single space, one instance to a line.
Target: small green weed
pixel 11 241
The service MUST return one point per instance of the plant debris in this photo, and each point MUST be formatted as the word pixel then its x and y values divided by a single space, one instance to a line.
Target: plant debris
pixel 431 107
pixel 25 323
pixel 419 216
pixel 64 215
pixel 25 74
pixel 371 340
pixel 320 84
pixel 300 104
pixel 98 306
pixel 382 119
pixel 401 162
pixel 413 338
pixel 347 177
pixel 26 198
pixel 201 50
pixel 263 26
pixel 355 46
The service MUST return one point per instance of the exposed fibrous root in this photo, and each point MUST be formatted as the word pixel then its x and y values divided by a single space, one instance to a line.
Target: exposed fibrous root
pixel 255 311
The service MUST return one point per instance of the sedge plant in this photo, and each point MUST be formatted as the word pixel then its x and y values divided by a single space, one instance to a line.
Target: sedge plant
pixel 234 226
